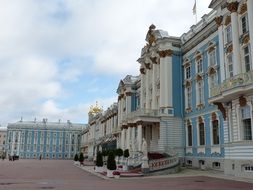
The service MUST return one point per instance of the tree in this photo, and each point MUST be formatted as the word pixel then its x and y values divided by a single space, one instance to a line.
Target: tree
pixel 99 160
pixel 111 164
pixel 81 158
pixel 76 158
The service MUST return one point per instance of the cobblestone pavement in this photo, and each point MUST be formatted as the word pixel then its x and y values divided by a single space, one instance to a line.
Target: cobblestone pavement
pixel 63 175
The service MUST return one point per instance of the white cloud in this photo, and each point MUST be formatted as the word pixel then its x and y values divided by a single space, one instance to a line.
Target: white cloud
pixel 99 37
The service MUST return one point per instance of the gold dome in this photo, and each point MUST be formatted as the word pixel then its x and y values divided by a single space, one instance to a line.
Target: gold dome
pixel 95 109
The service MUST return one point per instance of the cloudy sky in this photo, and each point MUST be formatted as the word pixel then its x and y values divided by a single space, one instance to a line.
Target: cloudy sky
pixel 58 57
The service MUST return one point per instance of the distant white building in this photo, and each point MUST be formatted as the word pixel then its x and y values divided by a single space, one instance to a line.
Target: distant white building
pixel 51 140
pixel 3 138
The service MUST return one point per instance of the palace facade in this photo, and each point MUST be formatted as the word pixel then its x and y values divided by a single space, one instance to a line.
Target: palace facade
pixel 193 96
pixel 50 140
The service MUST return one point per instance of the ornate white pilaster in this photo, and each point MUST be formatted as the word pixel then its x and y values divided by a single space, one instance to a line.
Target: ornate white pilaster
pixel 221 47
pixel 232 7
pixel 250 19
pixel 123 132
pixel 139 136
pixel 154 77
pixel 128 137
pixel 147 89
pixel 166 79
pixel 128 102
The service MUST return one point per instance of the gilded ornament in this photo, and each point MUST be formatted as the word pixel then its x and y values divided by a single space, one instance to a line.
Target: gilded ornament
pixel 227 20
pixel 233 6
pixel 243 9
pixel 219 20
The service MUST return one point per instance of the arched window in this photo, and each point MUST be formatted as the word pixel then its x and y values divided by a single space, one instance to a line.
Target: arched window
pixel 189 133
pixel 246 130
pixel 215 132
pixel 201 132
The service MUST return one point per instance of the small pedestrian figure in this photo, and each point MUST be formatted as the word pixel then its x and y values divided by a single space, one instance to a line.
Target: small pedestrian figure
pixel 40 157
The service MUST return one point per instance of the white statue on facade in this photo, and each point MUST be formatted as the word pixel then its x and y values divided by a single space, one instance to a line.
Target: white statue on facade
pixel 144 148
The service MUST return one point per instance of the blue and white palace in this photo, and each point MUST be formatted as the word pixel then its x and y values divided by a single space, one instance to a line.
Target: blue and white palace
pixel 193 97
pixel 49 140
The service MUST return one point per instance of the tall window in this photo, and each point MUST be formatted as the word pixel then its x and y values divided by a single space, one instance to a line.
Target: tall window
pixel 244 23
pixel 199 66
pixel 188 72
pixel 216 133
pixel 247 58
pixel 200 91
pixel 212 58
pixel 230 65
pixel 246 123
pixel 189 131
pixel 212 81
pixel 228 33
pixel 188 97
pixel 201 134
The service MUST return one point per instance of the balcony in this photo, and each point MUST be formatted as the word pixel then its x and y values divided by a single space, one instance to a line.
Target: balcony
pixel 232 88
pixel 141 114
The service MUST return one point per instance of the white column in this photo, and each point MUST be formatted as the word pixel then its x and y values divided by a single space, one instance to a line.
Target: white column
pixel 123 139
pixel 221 48
pixel 147 89
pixel 142 90
pixel 119 110
pixel 154 102
pixel 237 68
pixel 128 137
pixel 128 102
pixel 250 19
pixel 139 137
pixel 166 79
pixel 18 148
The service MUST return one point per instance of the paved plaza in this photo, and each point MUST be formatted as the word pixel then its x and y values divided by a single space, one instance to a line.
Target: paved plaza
pixel 63 175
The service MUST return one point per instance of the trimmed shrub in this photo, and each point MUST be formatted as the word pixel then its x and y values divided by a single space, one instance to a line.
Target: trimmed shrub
pixel 126 153
pixel 99 160
pixel 76 158
pixel 119 152
pixel 81 157
pixel 111 164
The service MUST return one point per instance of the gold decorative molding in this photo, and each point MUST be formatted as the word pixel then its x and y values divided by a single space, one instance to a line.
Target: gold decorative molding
pixel 199 77
pixel 230 49
pixel 211 48
pixel 200 120
pixel 214 116
pixel 219 20
pixel 227 20
pixel 165 53
pixel 211 71
pixel 242 101
pixel 233 6
pixel 222 109
pixel 243 8
pixel 246 39
pixel 187 83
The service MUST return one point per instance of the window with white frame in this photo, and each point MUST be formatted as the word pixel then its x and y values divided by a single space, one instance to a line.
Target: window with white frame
pixel 201 134
pixel 228 32
pixel 244 24
pixel 188 97
pixel 212 58
pixel 216 132
pixel 212 81
pixel 247 62
pixel 248 168
pixel 199 64
pixel 246 123
pixel 188 72
pixel 200 92
pixel 189 135
pixel 230 65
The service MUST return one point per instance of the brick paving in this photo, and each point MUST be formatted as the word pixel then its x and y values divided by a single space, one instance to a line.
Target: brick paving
pixel 63 175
